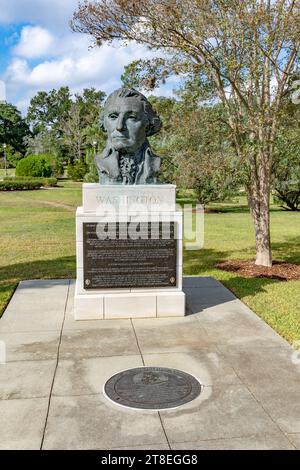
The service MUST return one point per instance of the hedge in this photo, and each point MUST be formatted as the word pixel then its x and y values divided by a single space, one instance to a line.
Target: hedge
pixel 47 182
pixel 10 185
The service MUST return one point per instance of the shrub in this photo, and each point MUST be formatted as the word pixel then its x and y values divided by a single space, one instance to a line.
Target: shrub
pixel 47 182
pixel 10 185
pixel 77 170
pixel 34 166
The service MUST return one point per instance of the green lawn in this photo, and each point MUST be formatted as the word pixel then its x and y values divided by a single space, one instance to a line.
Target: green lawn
pixel 37 240
pixel 10 172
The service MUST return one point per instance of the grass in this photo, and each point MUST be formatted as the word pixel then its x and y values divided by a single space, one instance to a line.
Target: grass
pixel 10 172
pixel 37 240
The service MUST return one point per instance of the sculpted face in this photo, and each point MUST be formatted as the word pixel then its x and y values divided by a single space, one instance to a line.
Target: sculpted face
pixel 125 122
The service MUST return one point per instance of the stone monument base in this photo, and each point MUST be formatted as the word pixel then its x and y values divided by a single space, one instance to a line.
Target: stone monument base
pixel 129 304
pixel 127 206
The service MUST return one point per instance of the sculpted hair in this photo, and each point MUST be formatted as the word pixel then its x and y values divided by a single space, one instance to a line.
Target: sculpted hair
pixel 154 121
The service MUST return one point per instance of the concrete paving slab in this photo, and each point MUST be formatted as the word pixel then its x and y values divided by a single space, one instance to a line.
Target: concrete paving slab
pixel 26 379
pixel 200 282
pixel 295 439
pixel 250 397
pixel 86 422
pixel 171 335
pixel 282 404
pixel 146 447
pixel 29 346
pixel 88 376
pixel 211 297
pixel 30 286
pixel 210 367
pixel 276 387
pixel 22 423
pixel 233 324
pixel 39 307
pixel 257 442
pixel 228 412
pixel 253 367
pixel 110 338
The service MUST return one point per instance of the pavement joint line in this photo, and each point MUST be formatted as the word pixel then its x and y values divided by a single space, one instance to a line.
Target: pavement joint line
pixel 12 332
pixel 141 447
pixel 55 370
pixel 161 422
pixel 62 358
pixel 245 436
pixel 137 341
pixel 24 398
pixel 245 383
pixel 163 428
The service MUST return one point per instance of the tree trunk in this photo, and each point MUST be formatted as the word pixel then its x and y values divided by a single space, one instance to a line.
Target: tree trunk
pixel 259 203
pixel 262 236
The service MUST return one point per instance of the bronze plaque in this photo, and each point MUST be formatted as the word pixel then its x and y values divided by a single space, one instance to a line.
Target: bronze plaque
pixel 129 254
pixel 152 388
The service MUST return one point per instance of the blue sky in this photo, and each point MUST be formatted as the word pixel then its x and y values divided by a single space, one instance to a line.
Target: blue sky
pixel 38 51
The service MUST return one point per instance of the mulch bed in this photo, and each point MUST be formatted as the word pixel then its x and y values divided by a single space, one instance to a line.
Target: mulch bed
pixel 247 268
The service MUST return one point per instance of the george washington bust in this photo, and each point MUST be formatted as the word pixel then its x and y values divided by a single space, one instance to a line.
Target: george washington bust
pixel 128 118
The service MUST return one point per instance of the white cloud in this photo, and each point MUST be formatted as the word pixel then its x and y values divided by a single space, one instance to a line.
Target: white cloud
pixel 35 42
pixel 49 55
pixel 78 67
pixel 74 67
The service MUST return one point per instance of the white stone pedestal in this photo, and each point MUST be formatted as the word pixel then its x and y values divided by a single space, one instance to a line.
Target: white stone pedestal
pixel 116 203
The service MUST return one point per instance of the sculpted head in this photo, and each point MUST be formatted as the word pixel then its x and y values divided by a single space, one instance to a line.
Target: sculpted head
pixel 129 119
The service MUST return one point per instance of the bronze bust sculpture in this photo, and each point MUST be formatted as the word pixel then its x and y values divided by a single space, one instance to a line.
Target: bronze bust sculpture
pixel 129 119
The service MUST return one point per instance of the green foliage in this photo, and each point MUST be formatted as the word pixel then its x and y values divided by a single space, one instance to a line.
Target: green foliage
pixel 63 125
pixel 13 127
pixel 196 148
pixel 76 171
pixel 20 185
pixel 163 141
pixel 286 164
pixel 49 110
pixel 92 174
pixel 81 128
pixel 35 166
pixel 47 182
pixel 141 74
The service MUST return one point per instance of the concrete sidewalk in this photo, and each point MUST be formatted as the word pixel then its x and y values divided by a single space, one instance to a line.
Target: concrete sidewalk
pixel 51 386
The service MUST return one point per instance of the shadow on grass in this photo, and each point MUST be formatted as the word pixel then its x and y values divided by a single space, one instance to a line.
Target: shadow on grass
pixel 288 251
pixel 245 287
pixel 202 262
pixel 195 261
pixel 11 275
pixel 63 267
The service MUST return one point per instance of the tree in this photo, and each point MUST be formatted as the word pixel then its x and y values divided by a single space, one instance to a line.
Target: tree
pixel 286 164
pixel 203 152
pixel 13 128
pixel 246 51
pixel 48 110
pixel 81 127
pixel 64 125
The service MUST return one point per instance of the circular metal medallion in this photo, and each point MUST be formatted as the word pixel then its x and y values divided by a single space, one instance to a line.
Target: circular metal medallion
pixel 152 388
